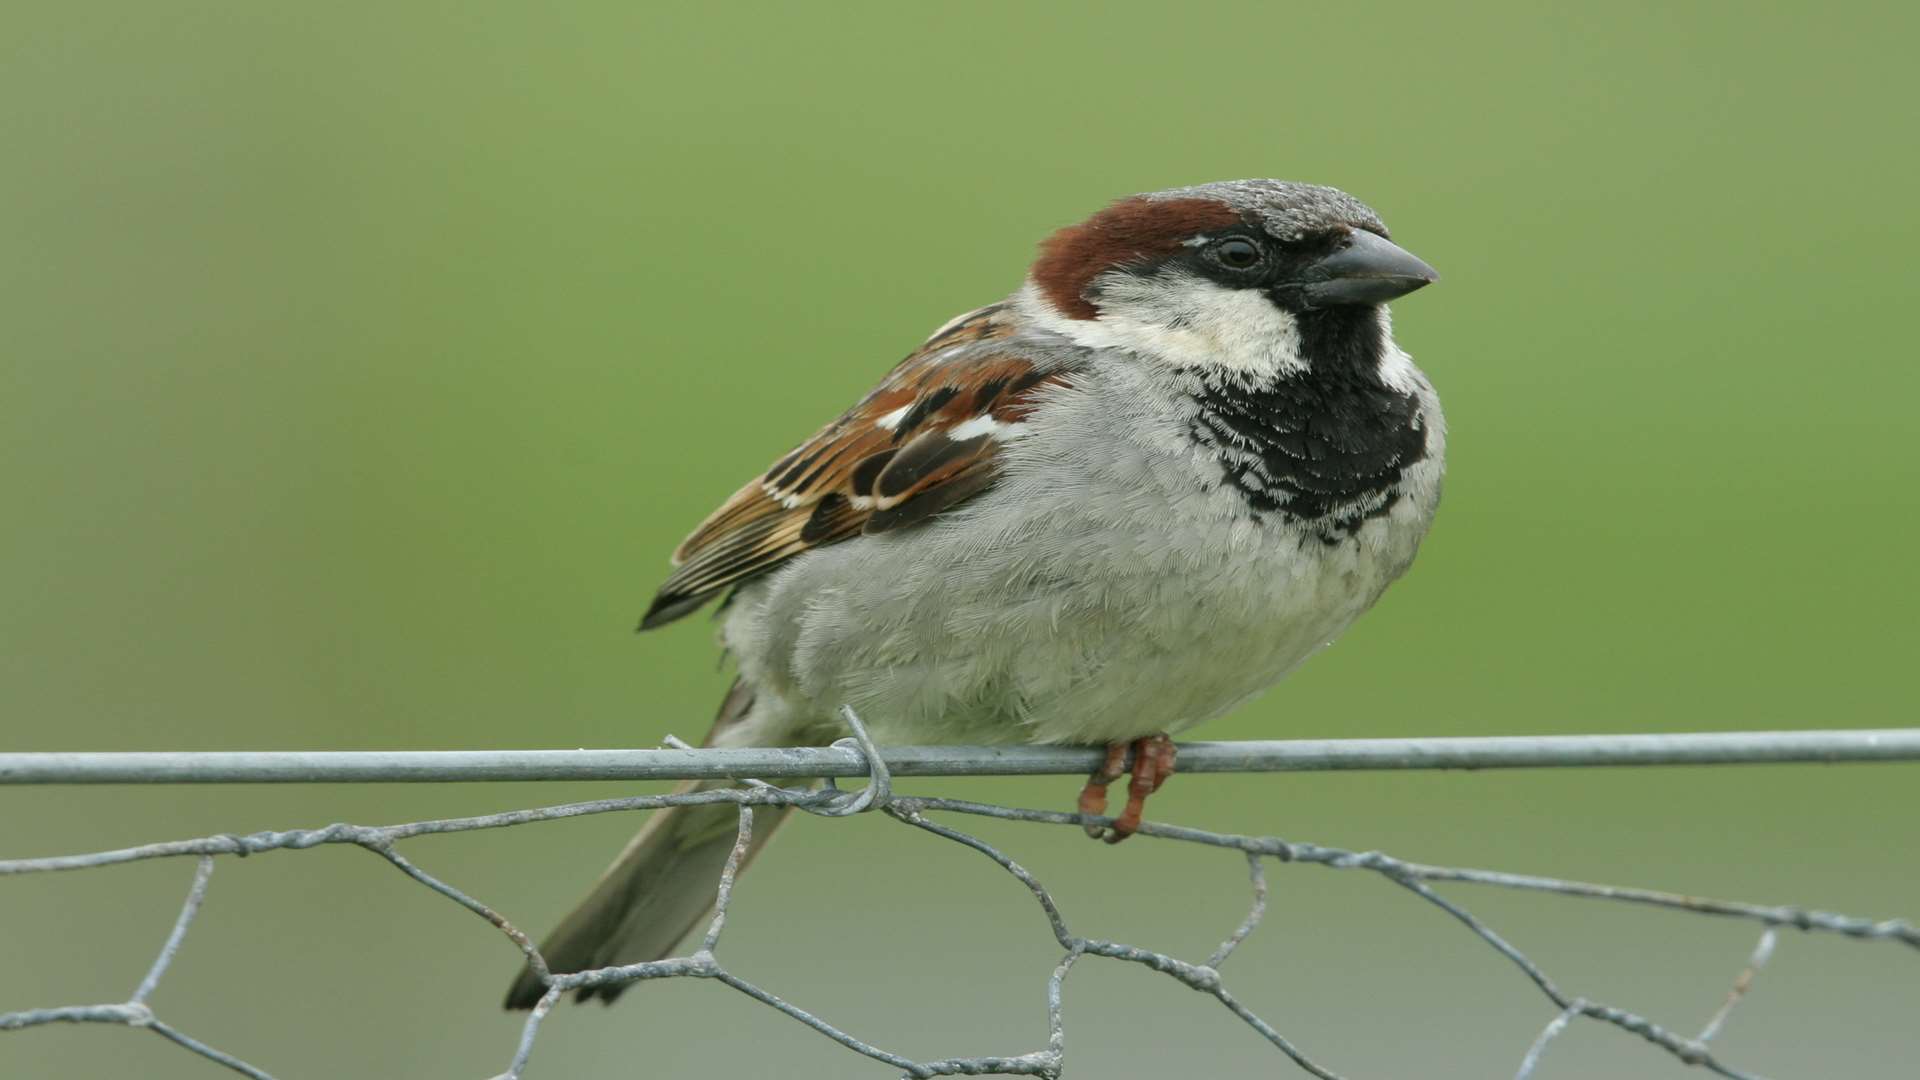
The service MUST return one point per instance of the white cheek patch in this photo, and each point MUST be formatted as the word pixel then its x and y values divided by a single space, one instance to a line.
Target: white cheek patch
pixel 1187 321
pixel 1396 367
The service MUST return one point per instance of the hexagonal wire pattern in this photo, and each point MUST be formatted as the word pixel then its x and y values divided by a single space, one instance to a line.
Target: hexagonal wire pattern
pixel 858 756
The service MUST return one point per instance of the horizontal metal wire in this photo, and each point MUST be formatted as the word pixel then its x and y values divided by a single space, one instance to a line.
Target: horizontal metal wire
pixel 1303 755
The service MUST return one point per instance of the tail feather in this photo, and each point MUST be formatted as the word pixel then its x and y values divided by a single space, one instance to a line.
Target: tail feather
pixel 657 892
pixel 660 888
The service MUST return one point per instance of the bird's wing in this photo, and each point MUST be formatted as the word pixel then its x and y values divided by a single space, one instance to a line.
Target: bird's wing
pixel 924 440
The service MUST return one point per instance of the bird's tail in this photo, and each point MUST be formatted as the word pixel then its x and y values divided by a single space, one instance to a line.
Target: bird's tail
pixel 660 888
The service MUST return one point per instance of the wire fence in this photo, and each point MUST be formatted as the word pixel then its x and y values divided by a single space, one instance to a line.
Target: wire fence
pixel 859 757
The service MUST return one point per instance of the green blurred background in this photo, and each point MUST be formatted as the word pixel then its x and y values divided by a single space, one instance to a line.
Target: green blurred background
pixel 362 363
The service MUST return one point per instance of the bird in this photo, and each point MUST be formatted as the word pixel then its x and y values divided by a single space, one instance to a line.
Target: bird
pixel 1183 456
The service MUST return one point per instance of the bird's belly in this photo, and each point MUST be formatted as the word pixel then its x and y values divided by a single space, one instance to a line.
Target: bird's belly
pixel 1055 625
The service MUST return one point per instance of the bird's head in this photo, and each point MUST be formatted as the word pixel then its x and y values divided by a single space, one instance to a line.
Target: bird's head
pixel 1231 274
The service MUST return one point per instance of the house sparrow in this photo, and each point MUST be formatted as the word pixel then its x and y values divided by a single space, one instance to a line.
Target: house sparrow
pixel 1179 460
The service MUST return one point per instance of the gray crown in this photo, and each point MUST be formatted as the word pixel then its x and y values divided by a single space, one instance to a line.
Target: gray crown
pixel 1286 209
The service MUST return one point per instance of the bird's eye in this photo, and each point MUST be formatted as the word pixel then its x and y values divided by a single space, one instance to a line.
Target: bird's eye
pixel 1235 253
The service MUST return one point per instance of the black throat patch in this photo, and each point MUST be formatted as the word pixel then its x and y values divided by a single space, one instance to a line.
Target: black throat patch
pixel 1324 447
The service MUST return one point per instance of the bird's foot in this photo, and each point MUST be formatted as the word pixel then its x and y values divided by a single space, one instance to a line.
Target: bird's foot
pixel 1153 759
pixel 1093 797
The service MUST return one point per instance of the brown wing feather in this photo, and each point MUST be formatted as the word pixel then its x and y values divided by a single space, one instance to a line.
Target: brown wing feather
pixel 888 463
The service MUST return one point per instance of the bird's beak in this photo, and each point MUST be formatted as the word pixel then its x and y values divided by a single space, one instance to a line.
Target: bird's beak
pixel 1370 269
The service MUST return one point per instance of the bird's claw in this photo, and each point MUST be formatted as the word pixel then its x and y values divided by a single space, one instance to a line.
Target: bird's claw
pixel 1152 762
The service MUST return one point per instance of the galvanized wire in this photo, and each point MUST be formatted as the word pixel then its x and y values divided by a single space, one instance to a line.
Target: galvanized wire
pixel 1047 1061
pixel 687 763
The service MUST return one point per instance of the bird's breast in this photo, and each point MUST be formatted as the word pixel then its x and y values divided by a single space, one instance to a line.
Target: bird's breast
pixel 1110 584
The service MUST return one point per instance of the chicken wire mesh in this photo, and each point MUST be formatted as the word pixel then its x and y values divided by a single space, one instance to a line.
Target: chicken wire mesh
pixel 858 756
